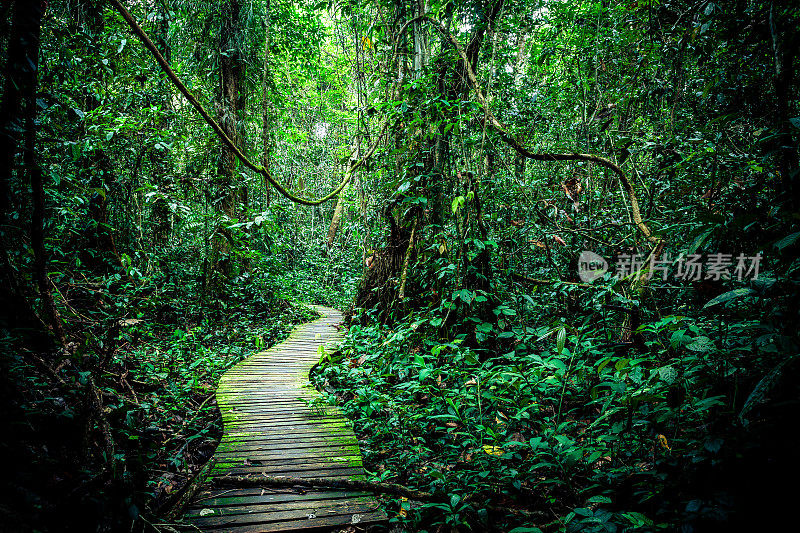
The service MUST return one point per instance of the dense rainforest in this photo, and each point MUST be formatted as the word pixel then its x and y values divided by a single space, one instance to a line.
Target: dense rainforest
pixel 564 234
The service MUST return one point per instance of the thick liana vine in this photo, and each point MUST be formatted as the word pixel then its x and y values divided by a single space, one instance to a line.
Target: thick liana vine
pixel 522 150
pixel 164 64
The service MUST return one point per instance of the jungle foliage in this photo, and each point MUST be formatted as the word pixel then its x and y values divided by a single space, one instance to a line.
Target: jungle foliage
pixel 481 147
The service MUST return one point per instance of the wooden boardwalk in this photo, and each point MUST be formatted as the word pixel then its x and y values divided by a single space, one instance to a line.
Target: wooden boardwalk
pixel 270 427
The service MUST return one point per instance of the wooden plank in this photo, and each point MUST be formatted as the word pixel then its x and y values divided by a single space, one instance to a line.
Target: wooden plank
pixel 270 428
pixel 270 453
pixel 300 471
pixel 282 441
pixel 284 414
pixel 285 425
pixel 249 507
pixel 338 471
pixel 242 497
pixel 296 408
pixel 290 440
pixel 288 419
pixel 265 517
pixel 319 524
pixel 289 430
pixel 333 458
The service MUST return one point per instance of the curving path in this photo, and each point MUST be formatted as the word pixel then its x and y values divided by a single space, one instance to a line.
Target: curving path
pixel 270 427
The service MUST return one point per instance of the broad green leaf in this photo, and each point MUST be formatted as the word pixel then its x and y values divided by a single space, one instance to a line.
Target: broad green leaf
pixel 667 374
pixel 787 241
pixel 701 344
pixel 726 296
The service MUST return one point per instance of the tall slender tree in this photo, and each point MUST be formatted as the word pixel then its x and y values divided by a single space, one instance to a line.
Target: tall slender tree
pixel 231 102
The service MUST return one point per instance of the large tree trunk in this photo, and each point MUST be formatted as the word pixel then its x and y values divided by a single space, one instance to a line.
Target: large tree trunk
pixel 420 40
pixel 389 270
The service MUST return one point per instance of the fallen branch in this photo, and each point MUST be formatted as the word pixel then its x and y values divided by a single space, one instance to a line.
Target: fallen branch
pixel 47 369
pixel 179 503
pixel 324 483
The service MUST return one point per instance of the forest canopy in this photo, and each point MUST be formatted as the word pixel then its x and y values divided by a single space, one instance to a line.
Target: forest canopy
pixel 563 233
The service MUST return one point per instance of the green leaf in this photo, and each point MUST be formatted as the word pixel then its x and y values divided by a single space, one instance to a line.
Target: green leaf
pixel 698 242
pixel 701 344
pixel 564 441
pixel 458 201
pixel 561 340
pixel 730 295
pixel 638 519
pixel 762 389
pixel 485 327
pixel 787 241
pixel 454 499
pixel 667 374
pixel 465 295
